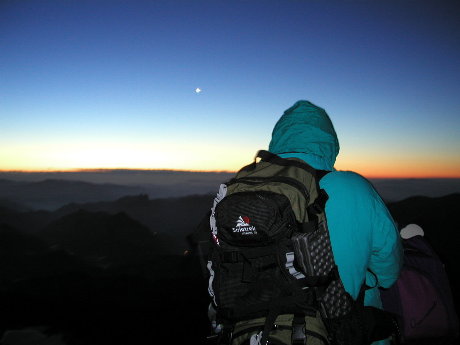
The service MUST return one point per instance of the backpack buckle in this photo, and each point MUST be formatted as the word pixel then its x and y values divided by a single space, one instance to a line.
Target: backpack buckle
pixel 298 334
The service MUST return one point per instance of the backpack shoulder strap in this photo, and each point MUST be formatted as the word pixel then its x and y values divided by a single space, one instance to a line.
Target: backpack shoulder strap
pixel 273 158
pixel 317 206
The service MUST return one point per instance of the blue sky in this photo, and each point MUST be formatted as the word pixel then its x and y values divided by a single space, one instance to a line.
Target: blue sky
pixel 91 84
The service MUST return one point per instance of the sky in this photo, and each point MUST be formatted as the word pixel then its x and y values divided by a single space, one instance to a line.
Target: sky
pixel 92 84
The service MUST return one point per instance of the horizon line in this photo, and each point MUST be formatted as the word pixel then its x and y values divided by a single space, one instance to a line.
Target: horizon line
pixel 108 170
pixel 71 170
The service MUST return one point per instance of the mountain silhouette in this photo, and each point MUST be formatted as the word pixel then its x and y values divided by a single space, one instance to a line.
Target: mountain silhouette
pixel 394 190
pixel 24 257
pixel 7 204
pixel 50 190
pixel 101 238
pixel 50 194
pixel 169 219
pixel 171 215
pixel 28 221
pixel 14 242
pixel 102 272
pixel 64 292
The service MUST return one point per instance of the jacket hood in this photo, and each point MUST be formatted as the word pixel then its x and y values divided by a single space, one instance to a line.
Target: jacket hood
pixel 305 131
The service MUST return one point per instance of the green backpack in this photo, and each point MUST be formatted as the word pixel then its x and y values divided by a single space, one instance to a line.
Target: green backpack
pixel 271 271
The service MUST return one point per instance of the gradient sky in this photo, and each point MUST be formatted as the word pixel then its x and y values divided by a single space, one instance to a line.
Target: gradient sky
pixel 111 84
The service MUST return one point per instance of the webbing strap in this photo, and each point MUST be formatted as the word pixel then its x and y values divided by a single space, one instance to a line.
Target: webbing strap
pixel 318 281
pixel 307 227
pixel 321 173
pixel 376 280
pixel 298 336
pixel 362 292
pixel 322 198
pixel 319 204
pixel 364 287
pixel 275 309
pixel 242 254
pixel 315 209
pixel 269 322
pixel 249 273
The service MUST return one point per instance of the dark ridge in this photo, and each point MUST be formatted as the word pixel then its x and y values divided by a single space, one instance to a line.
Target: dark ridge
pixel 51 194
pixel 104 272
pixel 102 238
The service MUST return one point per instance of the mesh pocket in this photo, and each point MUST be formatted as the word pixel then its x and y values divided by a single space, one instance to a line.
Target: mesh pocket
pixel 314 257
pixel 313 252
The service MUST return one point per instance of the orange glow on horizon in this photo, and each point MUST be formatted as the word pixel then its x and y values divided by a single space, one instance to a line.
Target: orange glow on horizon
pixel 105 170
pixel 370 174
pixel 227 159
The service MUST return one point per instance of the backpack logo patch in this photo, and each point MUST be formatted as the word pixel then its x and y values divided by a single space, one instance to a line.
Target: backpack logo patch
pixel 243 227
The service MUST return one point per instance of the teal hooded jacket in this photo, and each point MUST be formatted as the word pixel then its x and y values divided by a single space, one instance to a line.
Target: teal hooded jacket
pixel 362 231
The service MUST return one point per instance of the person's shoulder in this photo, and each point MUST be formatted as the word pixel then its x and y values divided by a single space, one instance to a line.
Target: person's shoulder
pixel 348 183
pixel 350 188
pixel 347 179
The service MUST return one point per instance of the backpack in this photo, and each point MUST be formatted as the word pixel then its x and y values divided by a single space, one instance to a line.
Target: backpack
pixel 421 298
pixel 271 271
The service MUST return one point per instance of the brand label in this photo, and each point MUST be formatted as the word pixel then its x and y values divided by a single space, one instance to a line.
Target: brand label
pixel 244 227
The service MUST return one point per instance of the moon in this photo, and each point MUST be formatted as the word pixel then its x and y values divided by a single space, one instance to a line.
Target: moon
pixel 197 90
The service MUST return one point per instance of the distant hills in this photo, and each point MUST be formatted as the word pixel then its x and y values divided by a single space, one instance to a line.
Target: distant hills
pixel 91 277
pixel 102 239
pixel 49 191
pixel 51 194
pixel 393 190
pixel 169 220
pixel 136 228
pixel 120 271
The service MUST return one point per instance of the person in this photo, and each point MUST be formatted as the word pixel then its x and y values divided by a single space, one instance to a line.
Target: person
pixel 363 234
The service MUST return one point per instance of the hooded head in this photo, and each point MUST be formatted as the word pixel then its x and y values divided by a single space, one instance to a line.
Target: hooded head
pixel 305 131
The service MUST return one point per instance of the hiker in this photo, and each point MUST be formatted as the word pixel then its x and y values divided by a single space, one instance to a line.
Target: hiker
pixel 362 231
pixel 297 250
